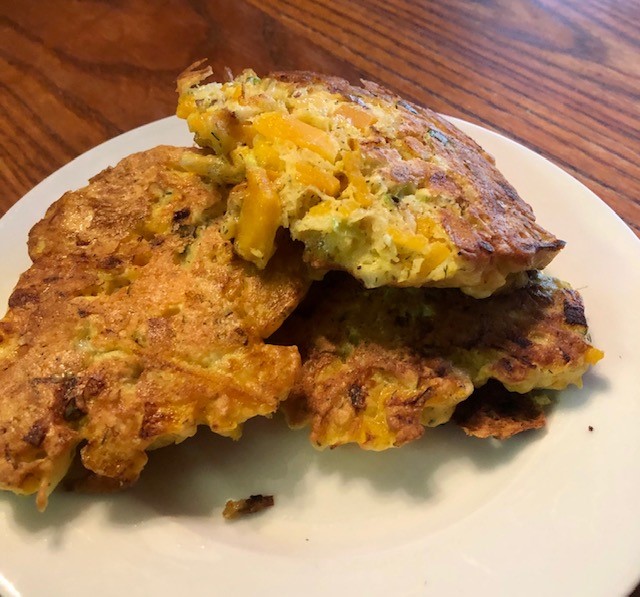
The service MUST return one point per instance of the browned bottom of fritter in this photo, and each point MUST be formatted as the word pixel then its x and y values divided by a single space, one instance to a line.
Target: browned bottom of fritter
pixel 379 364
pixel 135 324
pixel 493 411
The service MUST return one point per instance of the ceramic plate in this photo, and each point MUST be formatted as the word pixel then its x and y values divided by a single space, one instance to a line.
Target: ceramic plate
pixel 547 513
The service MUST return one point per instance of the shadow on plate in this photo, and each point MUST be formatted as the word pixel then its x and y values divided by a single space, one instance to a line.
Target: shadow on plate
pixel 195 478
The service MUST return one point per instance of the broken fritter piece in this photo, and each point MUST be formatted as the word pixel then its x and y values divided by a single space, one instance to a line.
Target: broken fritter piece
pixel 379 364
pixel 493 411
pixel 254 503
pixel 376 396
pixel 371 184
pixel 135 324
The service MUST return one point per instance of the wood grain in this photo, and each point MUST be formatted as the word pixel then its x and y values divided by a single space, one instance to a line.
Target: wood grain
pixel 563 77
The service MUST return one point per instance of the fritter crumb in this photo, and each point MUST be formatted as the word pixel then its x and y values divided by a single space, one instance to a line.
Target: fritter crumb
pixel 254 503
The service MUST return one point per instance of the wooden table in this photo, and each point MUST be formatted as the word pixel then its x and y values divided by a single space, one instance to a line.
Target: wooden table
pixel 561 76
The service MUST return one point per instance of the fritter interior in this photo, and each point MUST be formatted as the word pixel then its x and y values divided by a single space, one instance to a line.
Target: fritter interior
pixel 372 184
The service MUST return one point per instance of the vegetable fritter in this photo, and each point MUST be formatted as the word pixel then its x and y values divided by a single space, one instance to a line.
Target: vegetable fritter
pixel 379 364
pixel 136 323
pixel 370 183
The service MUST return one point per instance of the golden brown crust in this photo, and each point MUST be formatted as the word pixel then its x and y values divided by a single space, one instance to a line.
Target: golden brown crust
pixel 135 324
pixel 492 411
pixel 493 224
pixel 376 396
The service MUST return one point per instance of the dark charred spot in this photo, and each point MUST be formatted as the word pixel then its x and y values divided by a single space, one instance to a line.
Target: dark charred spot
pixel 186 230
pixel 22 297
pixel 81 242
pixel 72 412
pixel 36 434
pixel 111 262
pixel 82 313
pixel 574 313
pixel 521 341
pixel 181 214
pixel 525 360
pixel 65 395
pixel 565 357
pixel 441 370
pixel 153 421
pixel 483 244
pixel 93 387
pixel 357 395
pixel 66 387
pixel 506 364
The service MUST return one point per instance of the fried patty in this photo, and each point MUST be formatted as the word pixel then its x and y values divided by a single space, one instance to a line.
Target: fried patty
pixel 380 364
pixel 136 323
pixel 371 184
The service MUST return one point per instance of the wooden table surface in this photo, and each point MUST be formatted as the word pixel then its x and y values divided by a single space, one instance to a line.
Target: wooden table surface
pixel 560 76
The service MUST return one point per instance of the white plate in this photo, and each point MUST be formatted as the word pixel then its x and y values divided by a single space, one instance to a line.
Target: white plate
pixel 550 513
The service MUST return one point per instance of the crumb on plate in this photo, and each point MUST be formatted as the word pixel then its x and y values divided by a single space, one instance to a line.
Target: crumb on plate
pixel 251 505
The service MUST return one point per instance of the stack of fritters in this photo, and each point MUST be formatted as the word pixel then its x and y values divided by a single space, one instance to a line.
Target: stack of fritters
pixel 153 289
pixel 396 196
pixel 380 364
pixel 135 324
